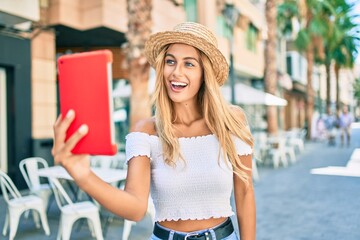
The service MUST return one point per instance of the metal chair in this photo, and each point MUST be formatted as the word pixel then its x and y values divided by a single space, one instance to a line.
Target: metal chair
pixel 17 204
pixel 29 169
pixel 296 139
pixel 277 151
pixel 71 212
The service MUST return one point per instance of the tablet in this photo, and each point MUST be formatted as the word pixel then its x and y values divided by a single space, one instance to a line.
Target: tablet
pixel 85 85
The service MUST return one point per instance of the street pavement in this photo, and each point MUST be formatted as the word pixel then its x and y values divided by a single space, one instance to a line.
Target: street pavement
pixel 292 203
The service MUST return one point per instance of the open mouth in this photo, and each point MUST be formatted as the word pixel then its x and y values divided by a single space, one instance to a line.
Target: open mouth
pixel 178 85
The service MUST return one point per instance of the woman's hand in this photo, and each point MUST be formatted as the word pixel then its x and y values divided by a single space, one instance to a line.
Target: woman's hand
pixel 78 165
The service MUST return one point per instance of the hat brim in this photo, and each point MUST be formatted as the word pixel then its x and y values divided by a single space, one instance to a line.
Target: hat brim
pixel 157 41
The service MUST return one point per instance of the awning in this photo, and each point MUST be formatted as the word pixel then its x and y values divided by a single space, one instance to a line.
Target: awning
pixel 248 95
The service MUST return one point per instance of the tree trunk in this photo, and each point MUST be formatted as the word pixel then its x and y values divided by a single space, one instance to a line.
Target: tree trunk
pixel 270 76
pixel 139 29
pixel 309 72
pixel 140 106
pixel 309 89
pixel 328 85
pixel 337 70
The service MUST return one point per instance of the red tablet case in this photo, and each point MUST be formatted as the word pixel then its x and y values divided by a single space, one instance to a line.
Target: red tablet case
pixel 85 85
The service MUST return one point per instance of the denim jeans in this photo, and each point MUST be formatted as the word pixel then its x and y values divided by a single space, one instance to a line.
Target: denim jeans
pixel 231 237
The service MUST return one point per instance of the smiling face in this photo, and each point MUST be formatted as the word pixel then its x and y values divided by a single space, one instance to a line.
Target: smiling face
pixel 182 73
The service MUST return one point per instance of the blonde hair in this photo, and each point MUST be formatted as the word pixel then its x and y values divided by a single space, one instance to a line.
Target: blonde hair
pixel 219 116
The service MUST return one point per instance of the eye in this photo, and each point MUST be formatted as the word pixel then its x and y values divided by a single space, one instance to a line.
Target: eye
pixel 189 64
pixel 169 61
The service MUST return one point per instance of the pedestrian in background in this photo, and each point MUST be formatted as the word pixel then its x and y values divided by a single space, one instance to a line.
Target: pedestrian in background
pixel 331 124
pixel 190 155
pixel 345 121
pixel 321 128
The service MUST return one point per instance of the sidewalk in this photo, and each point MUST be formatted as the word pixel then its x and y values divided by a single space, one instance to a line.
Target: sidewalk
pixel 292 203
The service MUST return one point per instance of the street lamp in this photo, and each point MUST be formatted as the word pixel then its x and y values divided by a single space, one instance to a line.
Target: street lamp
pixel 231 15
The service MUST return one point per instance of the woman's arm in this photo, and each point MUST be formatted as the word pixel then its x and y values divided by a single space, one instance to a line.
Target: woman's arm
pixel 245 203
pixel 130 203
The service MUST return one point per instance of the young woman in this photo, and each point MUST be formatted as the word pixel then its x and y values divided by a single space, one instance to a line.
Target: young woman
pixel 190 155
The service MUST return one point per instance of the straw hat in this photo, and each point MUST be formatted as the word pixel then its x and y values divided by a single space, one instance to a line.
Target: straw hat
pixel 193 34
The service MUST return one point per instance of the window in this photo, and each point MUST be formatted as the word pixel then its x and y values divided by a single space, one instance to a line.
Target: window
pixel 289 65
pixel 251 38
pixel 222 28
pixel 191 10
pixel 296 66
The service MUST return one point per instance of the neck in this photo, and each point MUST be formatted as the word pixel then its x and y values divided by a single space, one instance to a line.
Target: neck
pixel 187 113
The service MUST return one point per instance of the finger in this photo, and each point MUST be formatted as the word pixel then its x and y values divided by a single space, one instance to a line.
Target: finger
pixel 65 122
pixel 58 120
pixel 60 128
pixel 62 155
pixel 75 138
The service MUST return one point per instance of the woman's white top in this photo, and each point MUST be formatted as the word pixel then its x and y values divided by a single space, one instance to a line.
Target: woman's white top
pixel 198 189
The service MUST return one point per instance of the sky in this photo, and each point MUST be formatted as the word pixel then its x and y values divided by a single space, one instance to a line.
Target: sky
pixel 357 20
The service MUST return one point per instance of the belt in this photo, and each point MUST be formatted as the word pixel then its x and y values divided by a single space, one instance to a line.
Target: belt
pixel 221 231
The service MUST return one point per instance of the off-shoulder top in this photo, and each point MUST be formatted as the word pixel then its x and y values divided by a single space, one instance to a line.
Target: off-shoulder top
pixel 198 189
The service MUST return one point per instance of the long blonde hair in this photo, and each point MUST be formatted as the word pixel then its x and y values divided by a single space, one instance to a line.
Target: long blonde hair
pixel 219 116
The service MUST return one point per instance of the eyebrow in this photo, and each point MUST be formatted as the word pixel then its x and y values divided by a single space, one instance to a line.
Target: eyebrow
pixel 185 58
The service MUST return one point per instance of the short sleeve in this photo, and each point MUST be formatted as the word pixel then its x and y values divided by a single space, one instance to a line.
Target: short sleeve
pixel 137 144
pixel 242 148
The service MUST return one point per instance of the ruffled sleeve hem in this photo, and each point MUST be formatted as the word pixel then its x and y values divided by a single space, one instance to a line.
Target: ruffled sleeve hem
pixel 242 148
pixel 137 144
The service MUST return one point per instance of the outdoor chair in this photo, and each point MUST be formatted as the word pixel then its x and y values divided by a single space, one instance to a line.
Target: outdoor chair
pixel 277 151
pixel 296 139
pixel 260 147
pixel 71 212
pixel 17 204
pixel 290 151
pixel 29 169
pixel 289 148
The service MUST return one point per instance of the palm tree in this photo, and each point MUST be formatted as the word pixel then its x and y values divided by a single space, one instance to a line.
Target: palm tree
pixel 357 89
pixel 340 44
pixel 139 29
pixel 270 75
pixel 313 18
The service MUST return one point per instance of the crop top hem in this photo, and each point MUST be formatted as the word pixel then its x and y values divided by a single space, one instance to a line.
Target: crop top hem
pixel 193 218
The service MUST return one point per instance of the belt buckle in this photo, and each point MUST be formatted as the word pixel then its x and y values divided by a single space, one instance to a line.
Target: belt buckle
pixel 196 235
pixel 191 235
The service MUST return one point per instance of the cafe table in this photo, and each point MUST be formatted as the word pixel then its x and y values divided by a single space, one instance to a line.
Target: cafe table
pixel 109 175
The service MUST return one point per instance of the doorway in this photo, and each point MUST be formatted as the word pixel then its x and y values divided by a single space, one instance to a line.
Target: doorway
pixel 3 123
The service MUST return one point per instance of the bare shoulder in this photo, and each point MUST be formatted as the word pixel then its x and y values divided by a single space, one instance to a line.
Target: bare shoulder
pixel 145 126
pixel 238 112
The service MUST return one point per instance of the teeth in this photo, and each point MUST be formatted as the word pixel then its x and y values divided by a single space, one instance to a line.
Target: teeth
pixel 179 84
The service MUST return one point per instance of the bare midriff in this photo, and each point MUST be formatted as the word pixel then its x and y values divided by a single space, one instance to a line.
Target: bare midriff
pixel 192 225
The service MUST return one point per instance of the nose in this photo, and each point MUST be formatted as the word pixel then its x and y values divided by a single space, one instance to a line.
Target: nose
pixel 178 71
